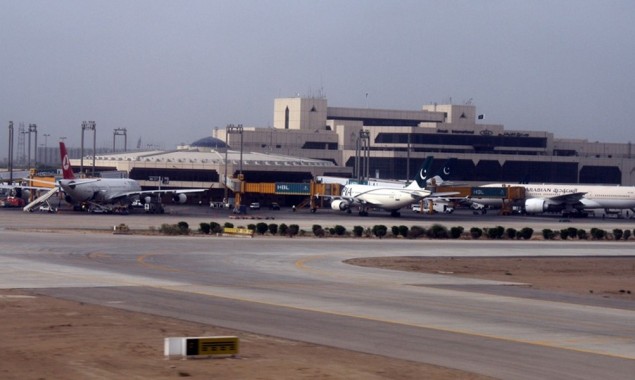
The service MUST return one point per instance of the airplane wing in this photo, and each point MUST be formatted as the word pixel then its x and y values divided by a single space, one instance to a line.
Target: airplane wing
pixel 155 192
pixel 152 192
pixel 10 187
pixel 571 198
pixel 418 194
pixel 447 194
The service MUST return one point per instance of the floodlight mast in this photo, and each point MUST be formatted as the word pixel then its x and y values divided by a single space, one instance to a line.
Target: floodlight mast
pixel 91 126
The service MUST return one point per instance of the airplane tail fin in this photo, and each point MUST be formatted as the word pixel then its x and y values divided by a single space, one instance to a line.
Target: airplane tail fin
pixel 422 176
pixel 67 170
pixel 444 171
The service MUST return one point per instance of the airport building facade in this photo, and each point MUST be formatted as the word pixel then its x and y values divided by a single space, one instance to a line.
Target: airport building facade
pixel 310 139
pixel 394 143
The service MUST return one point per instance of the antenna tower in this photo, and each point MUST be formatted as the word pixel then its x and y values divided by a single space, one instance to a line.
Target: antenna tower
pixel 21 153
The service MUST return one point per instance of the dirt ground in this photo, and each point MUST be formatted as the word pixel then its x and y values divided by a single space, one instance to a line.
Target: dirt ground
pixel 608 277
pixel 48 338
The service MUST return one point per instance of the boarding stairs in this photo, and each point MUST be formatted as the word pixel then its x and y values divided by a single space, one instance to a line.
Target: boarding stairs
pixel 41 199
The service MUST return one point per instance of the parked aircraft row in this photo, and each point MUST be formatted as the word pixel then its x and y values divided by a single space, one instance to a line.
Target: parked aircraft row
pixel 391 196
pixel 101 194
pixel 569 200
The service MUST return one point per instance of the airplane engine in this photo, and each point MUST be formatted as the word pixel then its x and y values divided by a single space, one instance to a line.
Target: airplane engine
pixel 340 205
pixel 179 198
pixel 534 206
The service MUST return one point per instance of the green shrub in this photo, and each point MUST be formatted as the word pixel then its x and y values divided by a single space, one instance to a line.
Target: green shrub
pixel 183 227
pixel 273 228
pixel 380 230
pixel 495 232
pixel 598 233
pixel 403 231
pixel 180 228
pixel 251 226
pixel 511 233
pixel 204 228
pixel 548 234
pixel 283 229
pixel 456 232
pixel 228 225
pixel 627 234
pixel 476 232
pixel 438 231
pixel 564 233
pixel 318 230
pixel 293 230
pixel 394 230
pixel 262 228
pixel 340 230
pixel 169 229
pixel 582 234
pixel 358 231
pixel 572 232
pixel 215 228
pixel 526 233
pixel 618 233
pixel 416 232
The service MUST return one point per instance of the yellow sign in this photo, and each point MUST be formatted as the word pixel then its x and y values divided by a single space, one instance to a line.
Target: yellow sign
pixel 219 345
pixel 238 231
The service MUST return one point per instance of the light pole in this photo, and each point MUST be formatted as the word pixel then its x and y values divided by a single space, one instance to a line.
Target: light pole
pixel 120 132
pixel 91 126
pixel 362 148
pixel 32 129
pixel 231 128
pixel 46 155
pixel 10 152
pixel 408 158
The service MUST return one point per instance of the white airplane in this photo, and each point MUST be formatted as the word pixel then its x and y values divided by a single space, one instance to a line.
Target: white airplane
pixel 104 193
pixel 570 199
pixel 389 197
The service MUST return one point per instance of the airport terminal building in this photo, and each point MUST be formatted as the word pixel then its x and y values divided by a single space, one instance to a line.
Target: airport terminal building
pixel 310 139
pixel 394 143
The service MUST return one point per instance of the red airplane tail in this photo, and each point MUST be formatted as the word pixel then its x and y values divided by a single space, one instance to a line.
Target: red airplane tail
pixel 67 170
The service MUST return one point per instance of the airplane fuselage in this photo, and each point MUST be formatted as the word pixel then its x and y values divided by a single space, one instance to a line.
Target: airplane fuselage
pixel 103 190
pixel 593 196
pixel 387 198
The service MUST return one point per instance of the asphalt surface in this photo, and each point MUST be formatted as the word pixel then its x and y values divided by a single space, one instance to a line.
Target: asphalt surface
pixel 298 288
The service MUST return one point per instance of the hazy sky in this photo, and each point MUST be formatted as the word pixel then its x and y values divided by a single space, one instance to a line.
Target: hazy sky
pixel 171 71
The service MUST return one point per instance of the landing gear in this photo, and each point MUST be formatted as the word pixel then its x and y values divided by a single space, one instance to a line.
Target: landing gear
pixel 363 211
pixel 395 214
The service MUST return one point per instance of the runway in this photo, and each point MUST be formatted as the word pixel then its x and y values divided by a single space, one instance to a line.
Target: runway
pixel 300 289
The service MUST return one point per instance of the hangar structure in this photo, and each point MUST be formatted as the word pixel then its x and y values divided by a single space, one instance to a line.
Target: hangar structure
pixel 398 140
pixel 206 162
